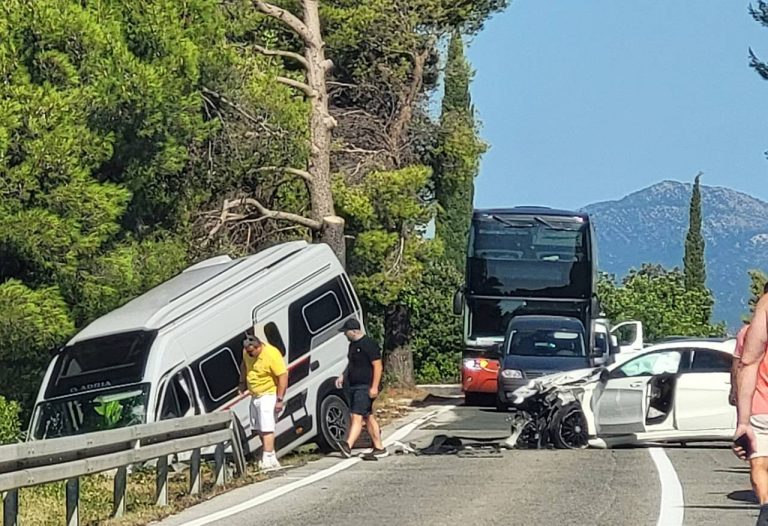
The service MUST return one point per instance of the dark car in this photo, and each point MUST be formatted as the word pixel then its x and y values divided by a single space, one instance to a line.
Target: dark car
pixel 538 345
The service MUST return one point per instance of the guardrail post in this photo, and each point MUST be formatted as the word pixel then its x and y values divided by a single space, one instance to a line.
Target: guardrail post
pixel 11 508
pixel 237 448
pixel 73 501
pixel 194 473
pixel 220 466
pixel 161 478
pixel 121 481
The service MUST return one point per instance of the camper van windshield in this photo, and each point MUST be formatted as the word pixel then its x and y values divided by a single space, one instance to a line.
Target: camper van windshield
pixel 99 363
pixel 88 412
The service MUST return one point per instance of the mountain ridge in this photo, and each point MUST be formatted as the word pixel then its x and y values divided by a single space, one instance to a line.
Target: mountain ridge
pixel 649 226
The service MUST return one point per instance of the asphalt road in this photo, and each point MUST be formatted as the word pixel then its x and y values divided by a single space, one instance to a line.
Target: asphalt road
pixel 605 487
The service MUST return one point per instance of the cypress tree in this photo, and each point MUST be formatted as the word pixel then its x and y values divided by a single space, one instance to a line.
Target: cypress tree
pixel 458 157
pixel 693 260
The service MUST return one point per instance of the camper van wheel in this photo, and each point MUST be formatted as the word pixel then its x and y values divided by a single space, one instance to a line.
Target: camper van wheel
pixel 569 427
pixel 334 422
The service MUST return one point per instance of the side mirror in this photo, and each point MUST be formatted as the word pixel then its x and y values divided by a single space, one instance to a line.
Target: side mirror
pixel 458 302
pixel 496 350
pixel 597 352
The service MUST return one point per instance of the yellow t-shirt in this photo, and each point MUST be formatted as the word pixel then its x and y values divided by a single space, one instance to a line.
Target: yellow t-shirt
pixel 261 372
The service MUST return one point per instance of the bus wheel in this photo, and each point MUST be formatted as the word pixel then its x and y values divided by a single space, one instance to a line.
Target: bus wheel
pixel 333 419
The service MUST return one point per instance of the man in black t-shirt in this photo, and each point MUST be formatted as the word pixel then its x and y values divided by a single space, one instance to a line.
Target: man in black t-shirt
pixel 363 377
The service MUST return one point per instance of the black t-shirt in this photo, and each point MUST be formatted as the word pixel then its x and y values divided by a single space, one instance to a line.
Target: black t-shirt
pixel 362 354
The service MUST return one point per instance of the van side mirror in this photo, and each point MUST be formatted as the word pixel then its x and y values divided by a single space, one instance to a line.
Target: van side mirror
pixel 458 302
pixel 597 352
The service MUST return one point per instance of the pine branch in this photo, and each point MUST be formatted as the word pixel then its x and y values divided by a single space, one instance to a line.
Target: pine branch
pixel 288 170
pixel 273 214
pixel 308 91
pixel 279 53
pixel 286 17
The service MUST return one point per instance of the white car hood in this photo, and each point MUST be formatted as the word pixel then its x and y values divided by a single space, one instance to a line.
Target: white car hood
pixel 575 377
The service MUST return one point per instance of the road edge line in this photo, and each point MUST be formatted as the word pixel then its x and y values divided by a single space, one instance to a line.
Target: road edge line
pixel 672 506
pixel 315 477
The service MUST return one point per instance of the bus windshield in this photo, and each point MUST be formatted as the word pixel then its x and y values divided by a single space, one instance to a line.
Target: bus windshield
pixel 529 256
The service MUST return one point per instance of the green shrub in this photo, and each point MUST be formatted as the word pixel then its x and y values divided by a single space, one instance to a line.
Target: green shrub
pixel 10 425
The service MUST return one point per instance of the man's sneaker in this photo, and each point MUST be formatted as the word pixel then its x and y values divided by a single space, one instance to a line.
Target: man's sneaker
pixel 380 453
pixel 269 464
pixel 346 451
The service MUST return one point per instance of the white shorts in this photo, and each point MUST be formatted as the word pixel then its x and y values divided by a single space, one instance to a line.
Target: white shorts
pixel 262 410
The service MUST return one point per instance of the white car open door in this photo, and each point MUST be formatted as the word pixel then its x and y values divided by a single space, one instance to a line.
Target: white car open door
pixel 701 397
pixel 622 407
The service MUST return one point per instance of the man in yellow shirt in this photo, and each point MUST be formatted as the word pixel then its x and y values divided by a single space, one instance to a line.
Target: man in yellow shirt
pixel 264 375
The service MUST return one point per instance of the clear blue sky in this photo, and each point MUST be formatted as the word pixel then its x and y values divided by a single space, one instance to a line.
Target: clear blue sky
pixel 585 101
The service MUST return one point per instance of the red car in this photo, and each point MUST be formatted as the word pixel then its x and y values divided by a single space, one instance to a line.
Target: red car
pixel 479 378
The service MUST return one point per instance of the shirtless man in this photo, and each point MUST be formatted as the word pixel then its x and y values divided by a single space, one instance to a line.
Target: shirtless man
pixel 752 405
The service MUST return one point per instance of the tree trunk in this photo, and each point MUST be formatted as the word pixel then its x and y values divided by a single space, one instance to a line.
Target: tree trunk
pixel 332 235
pixel 398 356
pixel 321 125
pixel 398 128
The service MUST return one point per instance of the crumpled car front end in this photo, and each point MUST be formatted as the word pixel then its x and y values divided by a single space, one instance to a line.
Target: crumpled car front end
pixel 556 410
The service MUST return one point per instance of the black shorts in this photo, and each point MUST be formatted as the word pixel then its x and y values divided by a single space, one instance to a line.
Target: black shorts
pixel 359 401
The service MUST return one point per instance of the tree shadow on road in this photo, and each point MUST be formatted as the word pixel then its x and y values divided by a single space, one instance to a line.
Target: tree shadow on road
pixel 745 495
pixel 431 400
pixel 734 471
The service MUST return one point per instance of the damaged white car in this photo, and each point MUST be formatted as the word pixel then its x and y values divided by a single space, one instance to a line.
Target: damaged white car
pixel 672 392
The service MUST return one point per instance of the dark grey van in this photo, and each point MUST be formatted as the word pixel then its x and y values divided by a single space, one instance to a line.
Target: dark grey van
pixel 538 345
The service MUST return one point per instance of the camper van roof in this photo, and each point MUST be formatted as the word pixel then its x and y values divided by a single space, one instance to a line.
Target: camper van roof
pixel 186 291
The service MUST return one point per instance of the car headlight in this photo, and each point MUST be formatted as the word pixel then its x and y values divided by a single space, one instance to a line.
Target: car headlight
pixel 511 373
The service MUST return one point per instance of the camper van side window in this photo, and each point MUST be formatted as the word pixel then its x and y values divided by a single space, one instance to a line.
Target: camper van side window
pixel 221 374
pixel 273 336
pixel 322 312
pixel 317 313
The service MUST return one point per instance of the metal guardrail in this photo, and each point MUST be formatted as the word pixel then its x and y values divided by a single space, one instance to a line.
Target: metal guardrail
pixel 40 462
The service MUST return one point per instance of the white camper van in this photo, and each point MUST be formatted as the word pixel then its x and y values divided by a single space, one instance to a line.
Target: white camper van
pixel 176 350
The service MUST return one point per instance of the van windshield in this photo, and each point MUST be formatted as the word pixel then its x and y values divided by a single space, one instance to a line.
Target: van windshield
pixel 546 342
pixel 91 411
pixel 108 361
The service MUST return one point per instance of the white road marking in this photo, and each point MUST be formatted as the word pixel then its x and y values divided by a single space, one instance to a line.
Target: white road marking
pixel 320 475
pixel 672 508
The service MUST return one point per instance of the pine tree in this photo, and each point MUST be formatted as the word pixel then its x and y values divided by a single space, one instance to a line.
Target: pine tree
pixel 693 260
pixel 458 157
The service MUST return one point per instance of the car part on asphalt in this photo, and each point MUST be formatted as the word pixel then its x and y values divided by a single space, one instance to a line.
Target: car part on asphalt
pixel 455 445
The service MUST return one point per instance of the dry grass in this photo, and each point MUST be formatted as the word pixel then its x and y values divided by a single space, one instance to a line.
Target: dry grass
pixel 44 505
pixel 395 402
